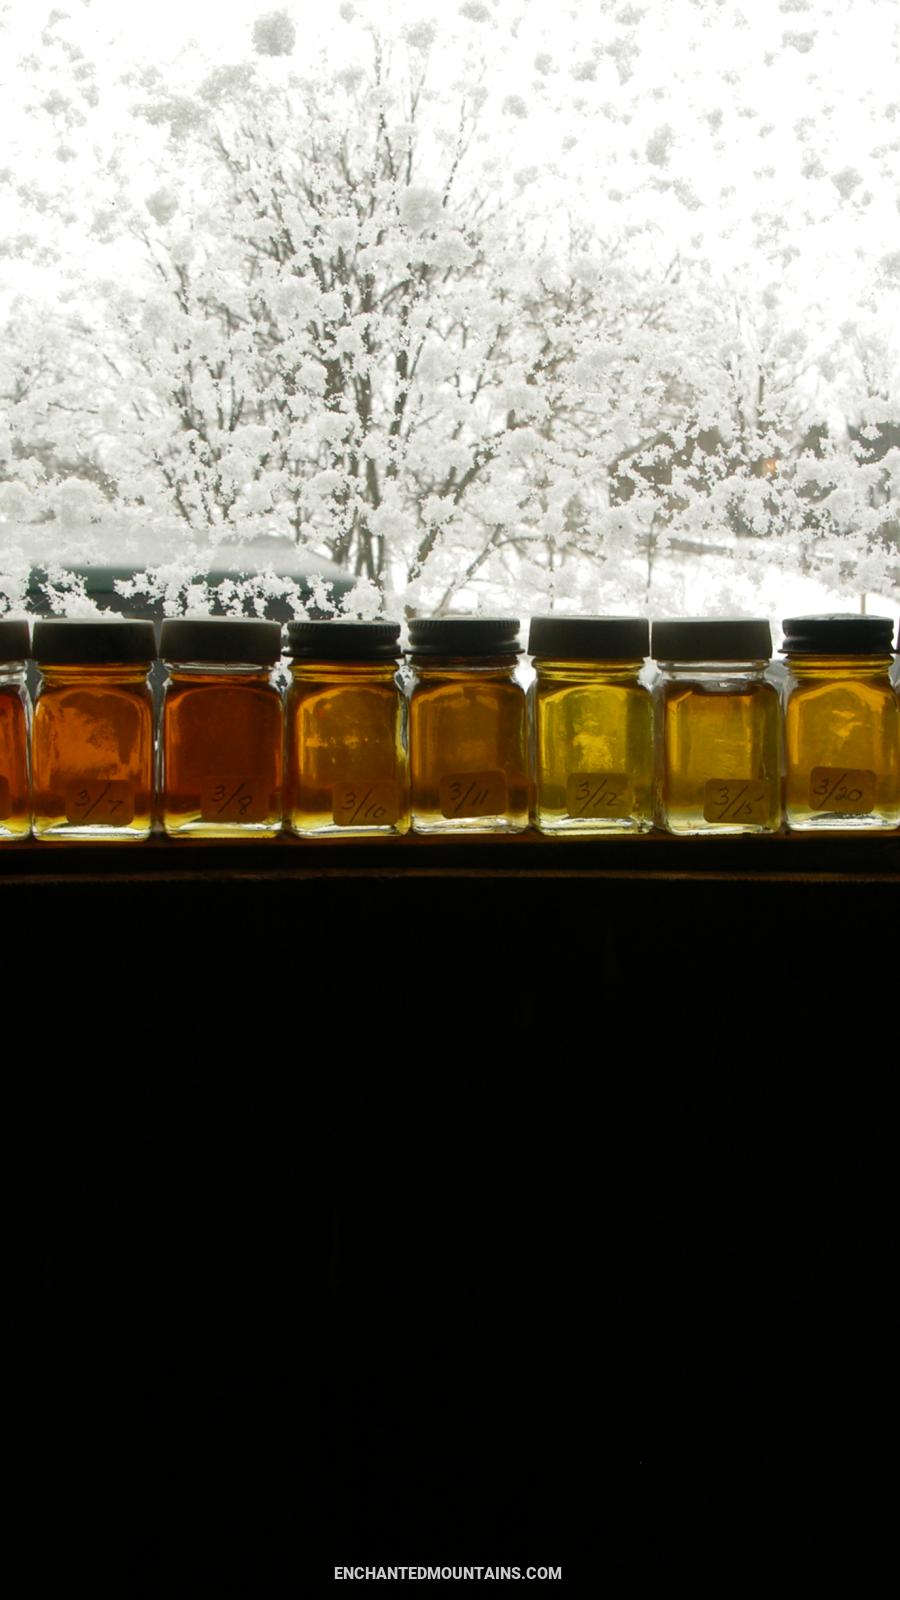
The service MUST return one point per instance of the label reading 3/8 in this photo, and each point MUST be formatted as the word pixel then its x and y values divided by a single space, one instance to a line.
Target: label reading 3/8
pixel 233 799
pixel 365 805
pixel 5 806
pixel 841 789
pixel 737 800
pixel 598 794
pixel 100 802
pixel 473 794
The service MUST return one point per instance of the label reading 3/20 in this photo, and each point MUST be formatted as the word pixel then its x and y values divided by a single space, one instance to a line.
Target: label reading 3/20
pixel 473 794
pixel 730 800
pixel 234 799
pixel 365 805
pixel 849 789
pixel 100 802
pixel 598 794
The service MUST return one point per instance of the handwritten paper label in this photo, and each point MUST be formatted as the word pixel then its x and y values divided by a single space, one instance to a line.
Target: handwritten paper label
pixel 365 805
pixel 233 799
pixel 100 803
pixel 598 794
pixel 730 800
pixel 841 789
pixel 473 794
pixel 5 806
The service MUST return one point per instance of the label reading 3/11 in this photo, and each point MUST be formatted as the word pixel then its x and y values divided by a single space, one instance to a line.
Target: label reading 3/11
pixel 100 802
pixel 473 794
pixel 365 805
pixel 841 789
pixel 598 794
pixel 234 799
pixel 729 800
pixel 5 806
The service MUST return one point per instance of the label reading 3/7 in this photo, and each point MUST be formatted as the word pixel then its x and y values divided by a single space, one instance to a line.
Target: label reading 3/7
pixel 365 805
pixel 5 806
pixel 100 802
pixel 233 799
pixel 473 794
pixel 598 794
pixel 737 800
pixel 841 789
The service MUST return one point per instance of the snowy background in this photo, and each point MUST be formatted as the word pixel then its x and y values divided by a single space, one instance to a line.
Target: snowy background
pixel 503 305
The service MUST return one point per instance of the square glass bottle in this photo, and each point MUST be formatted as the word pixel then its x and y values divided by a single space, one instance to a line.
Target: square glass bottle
pixel 841 725
pixel 221 731
pixel 467 726
pixel 718 728
pixel 591 725
pixel 346 765
pixel 92 744
pixel 15 731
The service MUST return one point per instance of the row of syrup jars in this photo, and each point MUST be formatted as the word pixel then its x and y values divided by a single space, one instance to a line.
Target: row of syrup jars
pixel 713 765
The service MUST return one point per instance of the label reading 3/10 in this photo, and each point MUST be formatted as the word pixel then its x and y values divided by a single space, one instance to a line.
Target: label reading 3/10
pixel 5 806
pixel 233 799
pixel 473 794
pixel 598 794
pixel 729 800
pixel 365 805
pixel 100 802
pixel 841 789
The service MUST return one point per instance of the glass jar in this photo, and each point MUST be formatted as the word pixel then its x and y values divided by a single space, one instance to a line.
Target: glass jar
pixel 591 725
pixel 347 769
pixel 718 728
pixel 221 729
pixel 467 726
pixel 841 724
pixel 15 731
pixel 92 746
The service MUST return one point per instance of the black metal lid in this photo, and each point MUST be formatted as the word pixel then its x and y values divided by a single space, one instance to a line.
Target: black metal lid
pixel 464 636
pixel 841 634
pixel 15 644
pixel 712 639
pixel 334 640
pixel 590 638
pixel 76 641
pixel 246 640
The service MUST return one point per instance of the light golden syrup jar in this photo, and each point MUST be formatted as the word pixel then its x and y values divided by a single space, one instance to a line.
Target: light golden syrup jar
pixel 92 742
pixel 718 728
pixel 467 726
pixel 221 733
pixel 841 725
pixel 591 725
pixel 346 764
pixel 15 731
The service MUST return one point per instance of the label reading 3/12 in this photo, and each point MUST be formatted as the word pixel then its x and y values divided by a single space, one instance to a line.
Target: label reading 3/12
pixel 5 806
pixel 473 794
pixel 598 794
pixel 730 800
pixel 233 799
pixel 100 803
pixel 841 789
pixel 365 805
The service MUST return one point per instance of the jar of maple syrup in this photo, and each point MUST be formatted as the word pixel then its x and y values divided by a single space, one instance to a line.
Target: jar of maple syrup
pixel 221 728
pixel 15 730
pixel 92 744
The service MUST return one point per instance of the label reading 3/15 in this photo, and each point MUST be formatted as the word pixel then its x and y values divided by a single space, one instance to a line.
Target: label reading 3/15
pixel 841 789
pixel 598 794
pixel 365 805
pixel 5 806
pixel 737 800
pixel 234 799
pixel 473 794
pixel 100 802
